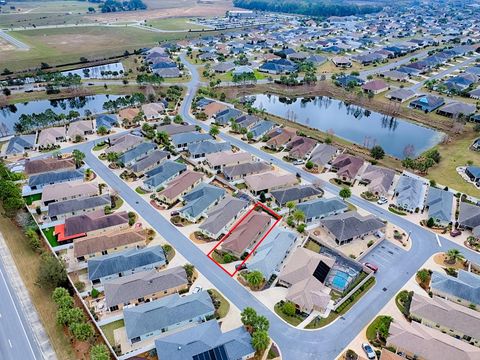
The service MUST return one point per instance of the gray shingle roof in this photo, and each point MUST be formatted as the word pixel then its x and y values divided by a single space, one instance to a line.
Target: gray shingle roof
pixel 465 286
pixel 295 193
pixel 323 154
pixel 321 207
pixel 440 204
pixel 151 159
pixel 200 199
pixel 410 192
pixel 241 170
pixel 208 147
pixel 469 215
pixel 138 151
pixel 165 312
pixel 160 174
pixel 189 138
pixel 351 224
pixel 123 261
pixel 54 177
pixel 18 144
pixel 223 213
pixel 184 345
pixel 68 206
pixel 122 290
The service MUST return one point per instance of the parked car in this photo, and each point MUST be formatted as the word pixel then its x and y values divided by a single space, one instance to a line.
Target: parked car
pixel 382 201
pixel 239 267
pixel 299 162
pixel 369 351
pixel 455 233
pixel 174 213
pixel 372 267
pixel 197 289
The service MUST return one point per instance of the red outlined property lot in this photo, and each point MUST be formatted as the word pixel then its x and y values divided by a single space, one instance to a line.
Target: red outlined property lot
pixel 254 207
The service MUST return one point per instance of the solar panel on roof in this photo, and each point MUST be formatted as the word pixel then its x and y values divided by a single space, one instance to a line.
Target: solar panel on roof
pixel 217 353
pixel 321 271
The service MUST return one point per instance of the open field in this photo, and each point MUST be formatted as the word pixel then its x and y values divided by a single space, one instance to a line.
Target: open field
pixel 64 45
pixel 36 7
pixel 5 45
pixel 178 23
pixel 26 260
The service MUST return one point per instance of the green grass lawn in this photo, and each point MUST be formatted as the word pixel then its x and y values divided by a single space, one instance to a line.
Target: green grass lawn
pixel 49 234
pixel 292 320
pixel 222 311
pixel 140 191
pixel 31 198
pixel 109 328
pixel 175 24
pixel 118 203
pixel 311 245
pixel 374 325
pixel 99 147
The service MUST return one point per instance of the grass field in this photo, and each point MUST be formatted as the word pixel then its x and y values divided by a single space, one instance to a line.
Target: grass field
pixel 63 45
pixel 49 234
pixel 109 328
pixel 174 24
pixel 27 263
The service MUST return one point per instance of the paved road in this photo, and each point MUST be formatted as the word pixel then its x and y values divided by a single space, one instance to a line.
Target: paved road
pixel 14 41
pixel 16 338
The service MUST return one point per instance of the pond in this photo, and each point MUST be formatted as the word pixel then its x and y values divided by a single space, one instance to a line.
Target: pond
pixel 398 137
pixel 107 71
pixel 9 115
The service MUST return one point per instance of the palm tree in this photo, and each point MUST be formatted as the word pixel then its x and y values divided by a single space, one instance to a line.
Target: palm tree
pixel 112 157
pixel 214 131
pixel 102 130
pixel 248 316
pixel 78 157
pixel 290 206
pixel 454 255
pixel 260 341
pixel 298 215
pixel 254 278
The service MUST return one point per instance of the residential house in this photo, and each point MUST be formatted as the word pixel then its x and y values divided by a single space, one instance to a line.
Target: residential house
pixel 140 151
pixel 318 209
pixel 410 192
pixel 341 62
pixel 349 226
pixel 144 287
pixel 400 95
pixel 63 209
pixel 123 143
pixel 278 66
pixel 168 72
pixel 378 179
pixel 247 121
pixel 463 289
pixel 153 111
pixel 183 140
pixel 323 154
pixel 173 129
pixel 151 161
pixel 89 247
pixel 92 224
pixel 279 138
pixel 200 149
pixel 106 120
pixel 427 103
pixel 222 216
pixel 213 108
pixel 200 200
pixel 261 128
pixel 421 342
pixel 217 161
pixel 395 75
pixel 68 191
pixel 181 185
pixel 304 275
pixel 375 87
pixel 159 176
pixel 39 181
pixel 124 263
pixel 347 167
pixel 80 128
pixel 51 136
pixel 206 341
pixel 50 164
pixel 223 117
pixel 246 234
pixel 300 147
pixel 172 312
pixel 469 218
pixel 270 255
pixel 440 205
pixel 240 171
pixel 446 316
pixel 20 144
pixel 128 116
pixel 268 181
pixel 457 110
pixel 473 173
pixel 223 67
pixel 296 194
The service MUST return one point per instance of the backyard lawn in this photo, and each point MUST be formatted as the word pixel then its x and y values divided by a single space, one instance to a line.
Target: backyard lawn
pixel 49 234
pixel 109 328
pixel 31 198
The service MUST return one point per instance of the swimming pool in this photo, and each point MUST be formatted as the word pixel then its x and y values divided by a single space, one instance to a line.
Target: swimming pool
pixel 340 280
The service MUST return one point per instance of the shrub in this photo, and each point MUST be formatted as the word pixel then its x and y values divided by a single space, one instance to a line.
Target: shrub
pixel 370 243
pixel 288 308
pixel 430 222
pixel 95 293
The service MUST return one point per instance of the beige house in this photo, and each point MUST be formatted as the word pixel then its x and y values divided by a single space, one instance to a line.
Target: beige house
pixel 80 128
pixel 128 115
pixel 423 343
pixel 179 186
pixel 145 286
pixel 51 136
pixel 305 289
pixel 217 161
pixel 123 143
pixel 448 317
pixel 40 166
pixel 94 246
pixel 267 181
pixel 68 191
pixel 153 111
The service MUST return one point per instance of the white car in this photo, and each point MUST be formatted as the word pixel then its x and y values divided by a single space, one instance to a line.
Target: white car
pixel 299 162
pixel 369 351
pixel 382 201
pixel 196 290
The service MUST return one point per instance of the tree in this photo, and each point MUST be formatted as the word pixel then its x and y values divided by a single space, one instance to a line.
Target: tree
pixel 102 130
pixel 261 323
pixel 423 275
pixel 298 216
pixel 377 152
pixel 345 193
pixel 214 131
pixel 249 136
pixel 248 316
pixel 99 352
pixel 51 272
pixel 430 222
pixel 254 278
pixel 69 316
pixel 454 255
pixel 112 157
pixel 288 308
pixel 309 165
pixel 59 293
pixel 178 119
pixel 290 206
pixel 78 157
pixel 260 340
pixel 162 137
pixel 81 331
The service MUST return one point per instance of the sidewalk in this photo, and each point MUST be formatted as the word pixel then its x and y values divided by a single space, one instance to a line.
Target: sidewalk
pixel 26 304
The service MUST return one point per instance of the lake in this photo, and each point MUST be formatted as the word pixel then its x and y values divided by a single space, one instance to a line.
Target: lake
pixel 398 137
pixel 99 72
pixel 9 115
